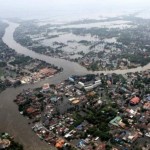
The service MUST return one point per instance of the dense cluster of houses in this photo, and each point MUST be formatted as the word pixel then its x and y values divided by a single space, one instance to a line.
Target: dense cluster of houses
pixel 59 112
pixel 110 61
pixel 16 69
pixel 28 72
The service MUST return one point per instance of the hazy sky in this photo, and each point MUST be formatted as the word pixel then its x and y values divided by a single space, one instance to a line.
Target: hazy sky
pixel 41 8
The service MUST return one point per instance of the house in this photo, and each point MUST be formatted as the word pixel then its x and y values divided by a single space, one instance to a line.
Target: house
pixel 117 121
pixel 102 146
pixel 59 143
pixel 115 148
pixel 25 80
pixel 81 144
pixel 147 134
pixel 148 98
pixel 147 106
pixel 92 93
pixel 131 112
pixel 4 143
pixel 135 101
pixel 32 111
pixel 71 79
pixel 88 88
pixel 45 87
pixel 75 101
pixel 47 71
pixel 132 136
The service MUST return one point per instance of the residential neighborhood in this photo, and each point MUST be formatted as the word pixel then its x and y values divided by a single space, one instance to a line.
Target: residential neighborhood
pixel 17 69
pixel 91 112
pixel 78 83
pixel 122 44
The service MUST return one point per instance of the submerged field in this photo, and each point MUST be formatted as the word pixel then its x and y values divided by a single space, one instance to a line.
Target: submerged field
pixel 104 44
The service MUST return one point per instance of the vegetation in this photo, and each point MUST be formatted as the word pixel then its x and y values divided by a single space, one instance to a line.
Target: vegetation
pixel 3 64
pixel 1 72
pixel 13 145
pixel 20 60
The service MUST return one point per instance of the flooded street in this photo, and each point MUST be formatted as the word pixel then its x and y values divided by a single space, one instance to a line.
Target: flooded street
pixel 10 119
pixel 69 67
pixel 14 123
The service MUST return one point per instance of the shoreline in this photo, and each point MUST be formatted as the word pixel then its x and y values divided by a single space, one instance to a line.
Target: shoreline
pixel 12 121
pixel 68 66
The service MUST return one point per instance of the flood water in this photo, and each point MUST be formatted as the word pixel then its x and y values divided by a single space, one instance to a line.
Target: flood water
pixel 109 24
pixel 10 119
pixel 69 67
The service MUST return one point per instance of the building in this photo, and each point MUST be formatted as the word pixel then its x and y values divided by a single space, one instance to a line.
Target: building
pixel 117 121
pixel 59 143
pixel 135 100
pixel 4 143
pixel 147 106
pixel 47 71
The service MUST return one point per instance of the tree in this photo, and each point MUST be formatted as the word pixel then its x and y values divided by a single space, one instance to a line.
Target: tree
pixel 15 146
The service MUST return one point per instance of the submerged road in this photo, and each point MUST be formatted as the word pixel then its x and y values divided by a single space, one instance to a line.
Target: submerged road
pixel 14 123
pixel 10 119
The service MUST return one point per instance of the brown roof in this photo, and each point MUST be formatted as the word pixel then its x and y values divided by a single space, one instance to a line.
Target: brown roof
pixel 31 110
pixel 101 147
pixel 147 106
pixel 47 71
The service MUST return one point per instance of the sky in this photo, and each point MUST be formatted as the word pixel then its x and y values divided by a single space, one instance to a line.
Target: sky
pixel 67 8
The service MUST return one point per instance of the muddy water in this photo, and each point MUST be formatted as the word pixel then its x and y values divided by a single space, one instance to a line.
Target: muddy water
pixel 10 119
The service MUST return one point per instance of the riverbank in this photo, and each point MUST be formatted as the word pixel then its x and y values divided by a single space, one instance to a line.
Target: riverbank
pixel 70 68
pixel 12 121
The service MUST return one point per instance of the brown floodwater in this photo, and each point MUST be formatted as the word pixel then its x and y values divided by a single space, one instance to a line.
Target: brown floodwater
pixel 10 119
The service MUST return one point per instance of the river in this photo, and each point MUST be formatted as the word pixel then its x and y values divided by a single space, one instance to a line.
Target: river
pixel 70 68
pixel 10 119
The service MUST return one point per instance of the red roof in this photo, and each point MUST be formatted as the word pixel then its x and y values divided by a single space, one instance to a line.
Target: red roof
pixel 60 143
pixel 135 100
